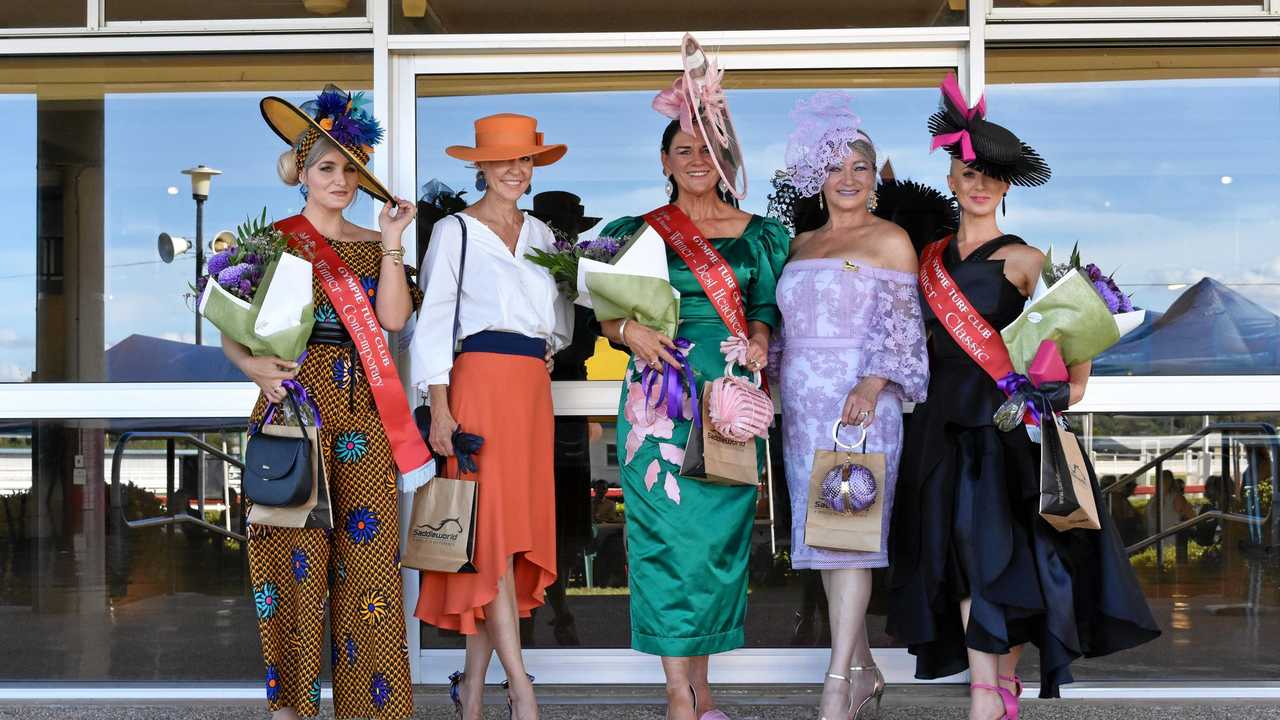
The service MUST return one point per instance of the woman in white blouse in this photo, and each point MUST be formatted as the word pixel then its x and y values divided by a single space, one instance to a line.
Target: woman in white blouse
pixel 511 319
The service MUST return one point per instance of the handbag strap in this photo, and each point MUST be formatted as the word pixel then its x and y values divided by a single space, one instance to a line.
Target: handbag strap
pixel 271 408
pixel 462 265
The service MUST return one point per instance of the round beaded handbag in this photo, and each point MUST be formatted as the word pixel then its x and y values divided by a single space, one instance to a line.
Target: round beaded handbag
pixel 849 487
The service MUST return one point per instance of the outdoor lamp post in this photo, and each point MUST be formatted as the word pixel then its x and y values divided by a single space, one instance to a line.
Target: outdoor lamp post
pixel 201 179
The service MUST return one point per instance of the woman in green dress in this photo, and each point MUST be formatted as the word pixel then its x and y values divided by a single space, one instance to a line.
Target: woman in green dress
pixel 688 541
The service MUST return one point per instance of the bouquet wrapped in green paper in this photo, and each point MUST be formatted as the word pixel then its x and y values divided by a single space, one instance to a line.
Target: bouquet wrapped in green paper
pixel 618 278
pixel 1078 308
pixel 258 294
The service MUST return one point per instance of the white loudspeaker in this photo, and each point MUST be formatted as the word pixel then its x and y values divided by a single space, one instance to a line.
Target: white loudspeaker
pixel 171 246
pixel 222 241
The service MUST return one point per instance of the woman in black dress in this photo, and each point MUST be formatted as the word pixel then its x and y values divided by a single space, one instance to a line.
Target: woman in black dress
pixel 976 573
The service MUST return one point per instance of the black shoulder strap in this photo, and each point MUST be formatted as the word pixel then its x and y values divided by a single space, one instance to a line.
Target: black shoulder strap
pixel 462 264
pixel 986 251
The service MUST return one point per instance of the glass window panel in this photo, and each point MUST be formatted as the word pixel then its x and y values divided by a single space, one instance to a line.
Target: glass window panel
pixel 1165 173
pixel 48 13
pixel 613 165
pixel 564 16
pixel 232 9
pixel 96 177
pixel 99 602
pixel 1122 3
pixel 1213 577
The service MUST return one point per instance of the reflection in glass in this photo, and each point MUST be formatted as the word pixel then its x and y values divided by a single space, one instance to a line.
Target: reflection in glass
pixel 562 16
pixel 90 601
pixel 1178 204
pixel 44 14
pixel 117 10
pixel 94 176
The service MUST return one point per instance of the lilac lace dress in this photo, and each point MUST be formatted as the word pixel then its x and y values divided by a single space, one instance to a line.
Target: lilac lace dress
pixel 842 322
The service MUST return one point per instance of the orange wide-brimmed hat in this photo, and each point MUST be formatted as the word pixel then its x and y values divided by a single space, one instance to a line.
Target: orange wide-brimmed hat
pixel 507 136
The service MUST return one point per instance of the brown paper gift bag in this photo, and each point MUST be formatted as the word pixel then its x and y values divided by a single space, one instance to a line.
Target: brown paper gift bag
pixel 831 529
pixel 442 528
pixel 1066 487
pixel 714 458
pixel 316 512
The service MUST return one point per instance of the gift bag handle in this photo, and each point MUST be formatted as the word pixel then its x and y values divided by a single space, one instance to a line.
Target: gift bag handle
pixel 858 446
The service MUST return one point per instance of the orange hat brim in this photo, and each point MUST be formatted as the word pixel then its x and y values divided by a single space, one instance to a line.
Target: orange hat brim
pixel 541 154
pixel 289 121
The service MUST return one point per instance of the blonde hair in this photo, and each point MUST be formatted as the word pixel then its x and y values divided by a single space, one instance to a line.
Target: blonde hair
pixel 287 165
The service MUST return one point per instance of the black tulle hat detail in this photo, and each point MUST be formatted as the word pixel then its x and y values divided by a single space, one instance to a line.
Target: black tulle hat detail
pixel 991 149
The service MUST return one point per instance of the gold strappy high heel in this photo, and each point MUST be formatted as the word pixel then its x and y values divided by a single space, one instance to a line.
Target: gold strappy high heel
pixel 877 693
pixel 834 676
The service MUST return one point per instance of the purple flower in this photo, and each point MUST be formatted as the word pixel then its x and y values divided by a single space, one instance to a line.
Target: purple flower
pixel 1094 273
pixel 219 262
pixel 246 287
pixel 201 283
pixel 233 275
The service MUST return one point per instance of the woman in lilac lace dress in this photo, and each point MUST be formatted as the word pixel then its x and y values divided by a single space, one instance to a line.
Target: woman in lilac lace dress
pixel 851 348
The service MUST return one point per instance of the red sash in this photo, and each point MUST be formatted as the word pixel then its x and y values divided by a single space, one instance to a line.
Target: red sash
pixel 709 267
pixel 342 286
pixel 967 327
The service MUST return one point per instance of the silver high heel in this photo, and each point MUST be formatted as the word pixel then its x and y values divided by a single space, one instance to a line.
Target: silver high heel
pixel 877 693
pixel 834 676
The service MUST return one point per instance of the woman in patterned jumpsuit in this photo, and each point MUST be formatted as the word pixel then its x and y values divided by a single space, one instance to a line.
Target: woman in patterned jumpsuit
pixel 353 569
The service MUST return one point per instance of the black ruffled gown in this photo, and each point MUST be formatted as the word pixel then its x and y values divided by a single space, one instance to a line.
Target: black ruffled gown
pixel 966 523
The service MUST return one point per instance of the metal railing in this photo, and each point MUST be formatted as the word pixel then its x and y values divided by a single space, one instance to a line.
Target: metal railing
pixel 1260 434
pixel 177 515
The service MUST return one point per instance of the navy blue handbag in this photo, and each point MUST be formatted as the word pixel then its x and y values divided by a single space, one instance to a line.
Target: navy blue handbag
pixel 277 469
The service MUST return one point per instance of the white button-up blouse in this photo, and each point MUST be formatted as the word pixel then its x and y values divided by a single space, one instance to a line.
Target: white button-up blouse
pixel 500 291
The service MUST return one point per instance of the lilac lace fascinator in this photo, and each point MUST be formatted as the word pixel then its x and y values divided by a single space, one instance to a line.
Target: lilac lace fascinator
pixel 826 126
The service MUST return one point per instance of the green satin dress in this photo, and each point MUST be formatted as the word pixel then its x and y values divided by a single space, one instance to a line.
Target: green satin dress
pixel 688 541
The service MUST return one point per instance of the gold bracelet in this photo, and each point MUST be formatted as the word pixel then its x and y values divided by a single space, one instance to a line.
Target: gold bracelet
pixel 622 332
pixel 397 253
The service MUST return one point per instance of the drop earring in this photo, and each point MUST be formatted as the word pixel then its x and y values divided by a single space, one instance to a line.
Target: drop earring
pixel 528 188
pixel 724 189
pixel 670 188
pixel 873 201
pixel 822 204
pixel 480 181
pixel 1003 210
pixel 302 190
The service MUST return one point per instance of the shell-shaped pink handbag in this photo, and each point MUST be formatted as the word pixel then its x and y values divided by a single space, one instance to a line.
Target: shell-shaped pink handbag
pixel 738 407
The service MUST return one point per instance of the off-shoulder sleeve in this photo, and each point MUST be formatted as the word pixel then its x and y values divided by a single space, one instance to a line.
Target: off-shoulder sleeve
pixel 895 338
pixel 773 244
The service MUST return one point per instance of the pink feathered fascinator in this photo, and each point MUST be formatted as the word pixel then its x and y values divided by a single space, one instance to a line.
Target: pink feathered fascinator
pixel 696 100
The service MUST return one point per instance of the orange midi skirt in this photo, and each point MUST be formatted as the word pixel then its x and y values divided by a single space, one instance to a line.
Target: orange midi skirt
pixel 506 399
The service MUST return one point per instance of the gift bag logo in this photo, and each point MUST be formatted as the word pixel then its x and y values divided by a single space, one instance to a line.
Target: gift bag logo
pixel 437 533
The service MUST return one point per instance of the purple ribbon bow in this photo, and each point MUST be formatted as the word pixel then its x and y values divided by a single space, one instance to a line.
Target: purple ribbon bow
pixel 675 380
pixel 1013 384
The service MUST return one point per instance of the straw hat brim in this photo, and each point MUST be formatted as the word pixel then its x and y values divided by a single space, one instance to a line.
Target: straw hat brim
pixel 289 121
pixel 541 154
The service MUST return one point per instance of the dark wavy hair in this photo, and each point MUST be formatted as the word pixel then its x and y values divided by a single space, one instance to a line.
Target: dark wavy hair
pixel 668 135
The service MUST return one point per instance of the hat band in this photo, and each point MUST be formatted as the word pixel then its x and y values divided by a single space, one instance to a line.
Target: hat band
pixel 507 138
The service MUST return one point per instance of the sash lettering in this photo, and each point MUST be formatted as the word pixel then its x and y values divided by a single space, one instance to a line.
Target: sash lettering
pixel 709 267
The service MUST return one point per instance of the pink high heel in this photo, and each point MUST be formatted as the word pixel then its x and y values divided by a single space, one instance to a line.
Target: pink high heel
pixel 1017 688
pixel 1006 697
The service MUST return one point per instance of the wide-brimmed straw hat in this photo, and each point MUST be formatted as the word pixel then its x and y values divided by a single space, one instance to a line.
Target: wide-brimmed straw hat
pixel 337 116
pixel 989 148
pixel 507 136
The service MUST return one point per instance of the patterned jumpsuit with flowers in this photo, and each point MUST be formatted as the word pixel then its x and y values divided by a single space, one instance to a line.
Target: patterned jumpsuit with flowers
pixel 353 570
